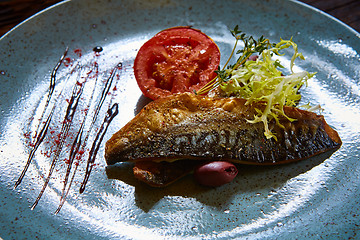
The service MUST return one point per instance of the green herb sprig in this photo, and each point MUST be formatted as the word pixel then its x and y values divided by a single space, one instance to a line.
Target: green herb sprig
pixel 251 47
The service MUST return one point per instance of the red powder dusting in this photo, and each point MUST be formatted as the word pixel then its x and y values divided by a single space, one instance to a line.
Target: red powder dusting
pixel 81 152
pixel 67 62
pixel 78 52
pixel 27 135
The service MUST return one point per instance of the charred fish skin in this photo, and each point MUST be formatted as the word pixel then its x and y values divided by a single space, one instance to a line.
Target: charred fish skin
pixel 187 126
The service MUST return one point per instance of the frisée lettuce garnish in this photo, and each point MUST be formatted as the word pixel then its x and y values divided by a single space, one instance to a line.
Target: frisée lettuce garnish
pixel 256 77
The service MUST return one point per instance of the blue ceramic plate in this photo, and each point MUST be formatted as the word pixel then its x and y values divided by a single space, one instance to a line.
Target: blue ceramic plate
pixel 315 198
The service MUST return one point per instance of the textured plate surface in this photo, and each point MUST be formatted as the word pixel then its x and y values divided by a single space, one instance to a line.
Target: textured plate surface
pixel 315 198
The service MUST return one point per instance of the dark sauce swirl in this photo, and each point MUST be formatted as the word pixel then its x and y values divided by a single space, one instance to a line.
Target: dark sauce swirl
pixel 78 145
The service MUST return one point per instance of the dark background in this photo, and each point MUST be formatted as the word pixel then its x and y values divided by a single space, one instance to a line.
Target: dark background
pixel 13 12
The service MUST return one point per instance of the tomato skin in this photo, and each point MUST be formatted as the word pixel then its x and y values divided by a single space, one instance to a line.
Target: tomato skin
pixel 179 59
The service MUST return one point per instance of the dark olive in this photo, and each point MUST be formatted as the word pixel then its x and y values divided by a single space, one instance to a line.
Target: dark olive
pixel 215 173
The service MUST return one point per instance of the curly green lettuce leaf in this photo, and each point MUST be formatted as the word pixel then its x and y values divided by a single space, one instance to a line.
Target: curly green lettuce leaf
pixel 261 80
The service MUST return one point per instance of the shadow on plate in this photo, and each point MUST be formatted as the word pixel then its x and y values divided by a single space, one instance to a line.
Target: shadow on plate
pixel 141 103
pixel 250 180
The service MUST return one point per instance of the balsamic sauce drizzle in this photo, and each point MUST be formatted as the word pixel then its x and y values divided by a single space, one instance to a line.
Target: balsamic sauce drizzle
pixel 39 139
pixel 42 133
pixel 75 147
pixel 111 113
pixel 79 143
pixel 67 122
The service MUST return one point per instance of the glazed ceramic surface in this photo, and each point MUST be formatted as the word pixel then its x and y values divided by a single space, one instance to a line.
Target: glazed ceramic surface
pixel 315 198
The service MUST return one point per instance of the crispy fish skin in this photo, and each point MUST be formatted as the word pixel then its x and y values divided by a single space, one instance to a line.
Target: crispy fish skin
pixel 187 126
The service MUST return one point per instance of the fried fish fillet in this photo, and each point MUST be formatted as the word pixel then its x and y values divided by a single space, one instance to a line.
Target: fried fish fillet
pixel 187 126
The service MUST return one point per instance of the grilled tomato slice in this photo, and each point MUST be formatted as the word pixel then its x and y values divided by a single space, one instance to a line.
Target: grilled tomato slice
pixel 179 59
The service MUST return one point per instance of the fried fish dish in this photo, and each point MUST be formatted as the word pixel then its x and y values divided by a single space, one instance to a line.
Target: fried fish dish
pixel 198 128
